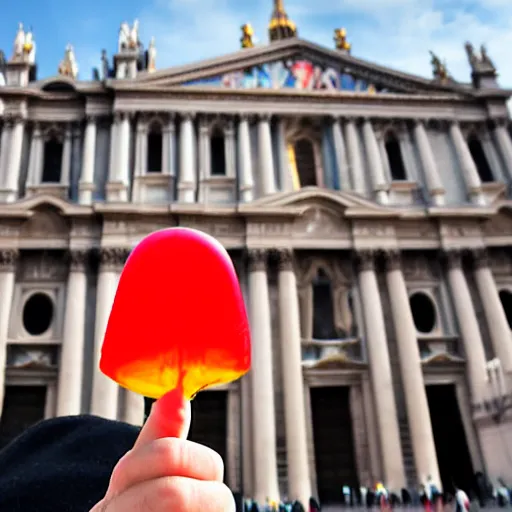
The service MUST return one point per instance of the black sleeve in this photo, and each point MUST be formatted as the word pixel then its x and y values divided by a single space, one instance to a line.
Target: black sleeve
pixel 62 464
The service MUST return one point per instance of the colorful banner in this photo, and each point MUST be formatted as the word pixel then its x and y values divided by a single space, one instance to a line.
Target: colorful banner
pixel 299 74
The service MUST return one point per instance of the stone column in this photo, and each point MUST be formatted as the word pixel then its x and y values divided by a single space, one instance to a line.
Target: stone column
pixel 469 170
pixel 299 484
pixel 379 184
pixel 123 157
pixel 266 156
pixel 169 147
pixel 69 398
pixel 86 184
pixel 8 260
pixel 341 155
pixel 245 160
pixel 35 157
pixel 14 160
pixel 263 412
pixel 504 146
pixel 141 147
pixel 187 177
pixel 230 148
pixel 494 313
pixel 468 326
pixel 65 168
pixel 204 156
pixel 114 133
pixel 354 157
pixel 380 371
pixel 428 162
pixel 104 390
pixel 4 151
pixel 416 402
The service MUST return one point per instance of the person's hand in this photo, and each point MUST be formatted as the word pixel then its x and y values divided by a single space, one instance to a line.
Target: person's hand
pixel 165 472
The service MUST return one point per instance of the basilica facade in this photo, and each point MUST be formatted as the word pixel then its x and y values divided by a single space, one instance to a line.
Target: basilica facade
pixel 367 212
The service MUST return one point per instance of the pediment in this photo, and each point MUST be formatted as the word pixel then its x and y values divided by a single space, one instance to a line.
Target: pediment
pixel 441 358
pixel 26 207
pixel 499 225
pixel 346 204
pixel 336 362
pixel 46 222
pixel 294 64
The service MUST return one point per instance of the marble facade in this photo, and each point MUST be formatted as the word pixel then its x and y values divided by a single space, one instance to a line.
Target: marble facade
pixel 441 229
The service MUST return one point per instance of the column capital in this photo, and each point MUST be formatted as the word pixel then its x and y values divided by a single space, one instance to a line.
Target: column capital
pixel 480 257
pixel 91 119
pixel 365 260
pixel 453 258
pixel 78 260
pixel 284 259
pixel 257 260
pixel 113 258
pixel 188 116
pixel 393 260
pixel 265 117
pixel 8 259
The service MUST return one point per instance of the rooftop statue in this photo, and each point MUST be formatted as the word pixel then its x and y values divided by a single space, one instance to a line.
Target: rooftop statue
pixel 2 68
pixel 151 65
pixel 439 69
pixel 247 36
pixel 479 62
pixel 128 37
pixel 24 48
pixel 340 38
pixel 68 65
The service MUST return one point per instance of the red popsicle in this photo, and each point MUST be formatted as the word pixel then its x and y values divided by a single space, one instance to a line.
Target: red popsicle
pixel 178 318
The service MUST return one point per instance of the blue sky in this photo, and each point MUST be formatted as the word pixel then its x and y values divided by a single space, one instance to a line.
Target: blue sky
pixel 397 33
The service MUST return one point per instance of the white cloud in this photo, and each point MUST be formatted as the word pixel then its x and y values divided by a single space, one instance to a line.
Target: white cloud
pixel 396 33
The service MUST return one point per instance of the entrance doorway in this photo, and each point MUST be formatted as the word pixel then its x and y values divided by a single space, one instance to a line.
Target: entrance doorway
pixel 334 443
pixel 23 407
pixel 209 422
pixel 452 450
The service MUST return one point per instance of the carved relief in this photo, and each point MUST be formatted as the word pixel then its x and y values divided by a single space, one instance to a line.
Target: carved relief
pixel 500 225
pixel 257 260
pixel 8 259
pixel 7 230
pixel 268 229
pixel 78 260
pixel 320 223
pixel 460 230
pixel 373 230
pixel 113 258
pixel 365 260
pixel 412 230
pixel 285 259
pixel 453 259
pixel 45 224
pixel 19 356
pixel 419 267
pixel 44 266
pixel 393 260
pixel 480 258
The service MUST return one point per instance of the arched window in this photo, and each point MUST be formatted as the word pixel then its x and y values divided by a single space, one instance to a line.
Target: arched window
pixel 52 160
pixel 323 308
pixel 481 162
pixel 217 154
pixel 305 161
pixel 394 154
pixel 154 149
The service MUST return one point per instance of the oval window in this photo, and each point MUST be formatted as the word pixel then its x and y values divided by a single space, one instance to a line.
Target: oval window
pixel 37 314
pixel 423 312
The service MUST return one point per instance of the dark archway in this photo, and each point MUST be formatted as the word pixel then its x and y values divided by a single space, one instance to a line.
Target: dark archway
pixel 395 159
pixel 306 165
pixel 481 162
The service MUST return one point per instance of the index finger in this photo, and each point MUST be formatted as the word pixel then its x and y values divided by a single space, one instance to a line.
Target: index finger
pixel 169 417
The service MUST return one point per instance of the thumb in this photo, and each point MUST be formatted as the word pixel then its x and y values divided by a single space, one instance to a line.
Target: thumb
pixel 169 417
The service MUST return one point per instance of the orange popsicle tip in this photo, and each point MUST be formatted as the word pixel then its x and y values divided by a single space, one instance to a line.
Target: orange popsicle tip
pixel 178 317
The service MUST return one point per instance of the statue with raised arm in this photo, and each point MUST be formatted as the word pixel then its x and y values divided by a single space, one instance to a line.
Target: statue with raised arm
pixel 124 37
pixel 19 41
pixel 151 56
pixel 472 58
pixel 133 40
pixel 105 69
pixel 438 68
